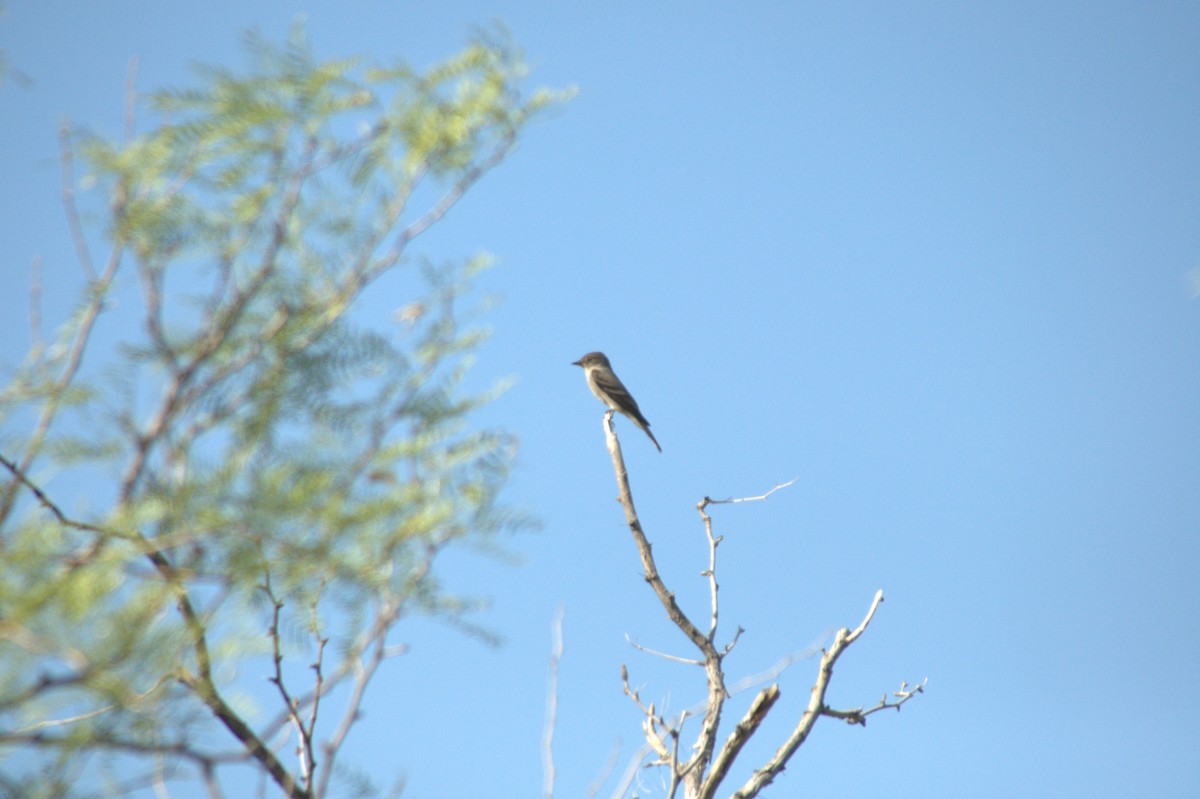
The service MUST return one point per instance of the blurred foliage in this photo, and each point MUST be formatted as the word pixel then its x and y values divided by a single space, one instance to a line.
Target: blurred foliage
pixel 250 451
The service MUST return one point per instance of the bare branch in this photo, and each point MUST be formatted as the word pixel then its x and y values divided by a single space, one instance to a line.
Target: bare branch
pixel 711 572
pixel 859 715
pixel 663 655
pixel 303 733
pixel 318 678
pixel 204 688
pixel 556 651
pixel 737 739
pixel 47 503
pixel 657 729
pixel 852 637
pixel 733 501
pixel 652 720
pixel 706 741
pixel 816 704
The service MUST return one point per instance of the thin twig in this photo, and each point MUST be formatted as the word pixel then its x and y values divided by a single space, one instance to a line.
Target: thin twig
pixel 652 720
pixel 663 655
pixel 47 503
pixel 734 501
pixel 859 715
pixel 318 678
pixel 303 735
pixel 713 588
pixel 556 651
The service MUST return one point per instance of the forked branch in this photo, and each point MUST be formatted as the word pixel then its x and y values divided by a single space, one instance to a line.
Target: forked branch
pixel 702 774
pixel 695 768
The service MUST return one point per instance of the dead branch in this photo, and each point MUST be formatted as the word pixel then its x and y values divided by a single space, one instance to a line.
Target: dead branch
pixel 859 715
pixel 733 501
pixel 702 774
pixel 763 776
pixel 556 651
pixel 694 770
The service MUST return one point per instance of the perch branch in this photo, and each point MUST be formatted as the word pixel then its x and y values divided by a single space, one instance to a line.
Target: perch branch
pixel 706 740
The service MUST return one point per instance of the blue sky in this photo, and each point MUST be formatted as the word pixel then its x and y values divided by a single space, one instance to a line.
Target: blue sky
pixel 936 261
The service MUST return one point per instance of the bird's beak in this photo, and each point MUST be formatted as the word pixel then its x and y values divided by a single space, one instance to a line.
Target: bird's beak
pixel 576 363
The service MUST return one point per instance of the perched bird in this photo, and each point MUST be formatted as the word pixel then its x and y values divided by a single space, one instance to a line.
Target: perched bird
pixel 609 389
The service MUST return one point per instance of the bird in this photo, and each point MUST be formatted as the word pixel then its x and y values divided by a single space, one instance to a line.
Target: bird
pixel 609 389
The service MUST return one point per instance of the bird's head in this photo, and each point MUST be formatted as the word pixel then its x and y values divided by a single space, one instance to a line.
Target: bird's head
pixel 591 359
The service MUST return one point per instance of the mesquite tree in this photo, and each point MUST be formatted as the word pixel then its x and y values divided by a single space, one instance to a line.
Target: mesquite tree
pixel 251 473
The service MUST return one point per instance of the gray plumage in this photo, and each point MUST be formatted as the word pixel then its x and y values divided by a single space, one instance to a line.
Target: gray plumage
pixel 609 389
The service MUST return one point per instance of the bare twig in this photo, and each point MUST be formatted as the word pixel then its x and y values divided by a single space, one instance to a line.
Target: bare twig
pixel 556 651
pixel 203 685
pixel 859 715
pixel 318 678
pixel 705 770
pixel 816 705
pixel 711 572
pixel 303 734
pixel 663 655
pixel 734 501
pixel 47 503
pixel 652 721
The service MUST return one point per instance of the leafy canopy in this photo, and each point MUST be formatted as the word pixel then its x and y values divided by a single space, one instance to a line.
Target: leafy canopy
pixel 251 472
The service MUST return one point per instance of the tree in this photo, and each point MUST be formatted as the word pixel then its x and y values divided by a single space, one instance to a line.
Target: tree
pixel 270 479
pixel 702 767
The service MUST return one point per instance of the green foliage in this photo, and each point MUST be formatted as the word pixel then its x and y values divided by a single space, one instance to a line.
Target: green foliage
pixel 260 463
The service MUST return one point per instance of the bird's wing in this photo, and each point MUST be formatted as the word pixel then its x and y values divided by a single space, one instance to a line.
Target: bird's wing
pixel 612 385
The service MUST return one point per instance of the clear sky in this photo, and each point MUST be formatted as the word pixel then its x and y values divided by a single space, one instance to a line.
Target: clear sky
pixel 935 260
